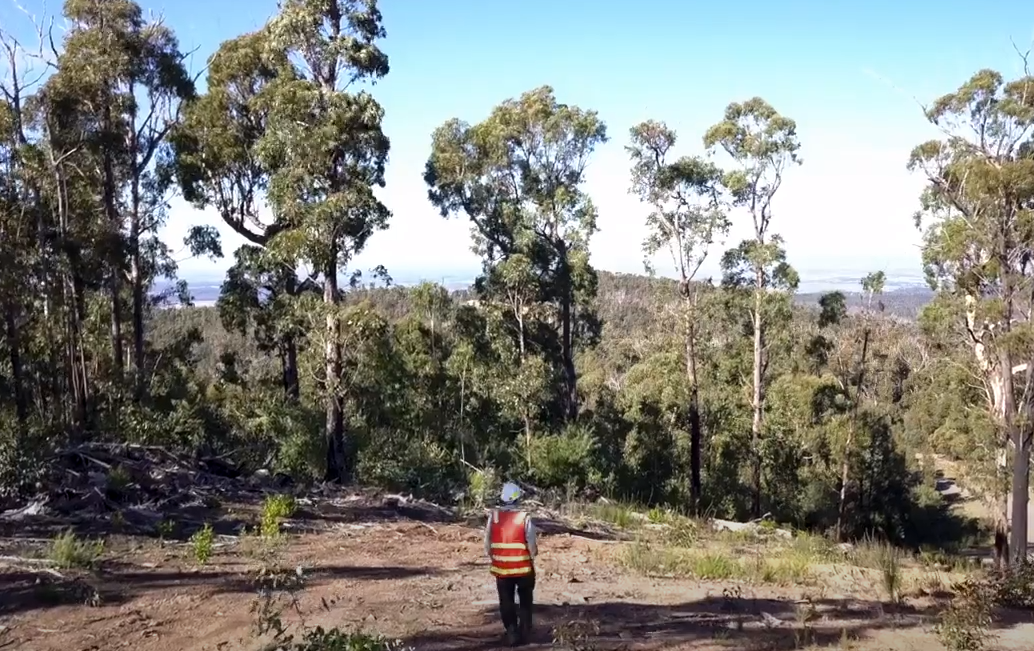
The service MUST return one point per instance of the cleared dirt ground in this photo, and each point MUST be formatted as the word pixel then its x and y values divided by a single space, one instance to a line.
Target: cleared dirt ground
pixel 427 583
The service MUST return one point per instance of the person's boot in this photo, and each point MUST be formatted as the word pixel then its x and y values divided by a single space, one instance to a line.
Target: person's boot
pixel 524 635
pixel 511 638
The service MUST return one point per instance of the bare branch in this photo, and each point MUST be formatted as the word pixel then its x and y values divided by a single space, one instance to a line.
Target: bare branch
pixel 1024 56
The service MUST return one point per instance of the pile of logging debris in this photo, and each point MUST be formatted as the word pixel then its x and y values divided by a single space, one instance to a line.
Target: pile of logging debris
pixel 145 484
pixel 140 482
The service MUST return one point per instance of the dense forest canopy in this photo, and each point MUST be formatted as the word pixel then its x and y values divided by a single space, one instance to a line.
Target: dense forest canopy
pixel 735 398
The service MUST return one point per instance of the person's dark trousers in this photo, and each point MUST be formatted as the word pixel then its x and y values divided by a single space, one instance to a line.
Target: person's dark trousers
pixel 517 620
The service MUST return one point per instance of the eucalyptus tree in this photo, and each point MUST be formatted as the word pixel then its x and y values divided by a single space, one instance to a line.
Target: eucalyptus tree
pixel 687 217
pixel 977 250
pixel 518 177
pixel 53 259
pixel 16 230
pixel 326 151
pixel 121 79
pixel 763 145
pixel 218 164
pixel 433 303
pixel 13 263
pixel 258 297
pixel 852 367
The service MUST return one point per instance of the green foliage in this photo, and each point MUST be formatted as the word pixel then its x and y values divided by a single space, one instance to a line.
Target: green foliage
pixel 278 590
pixel 532 234
pixel 1015 587
pixel 482 487
pixel 22 457
pixel 619 515
pixel 966 624
pixel 202 544
pixel 565 459
pixel 68 551
pixel 424 403
pixel 887 559
pixel 976 213
pixel 165 529
pixel 274 509
pixel 424 467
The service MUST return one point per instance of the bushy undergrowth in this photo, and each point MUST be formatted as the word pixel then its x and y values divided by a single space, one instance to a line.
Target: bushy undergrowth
pixel 966 625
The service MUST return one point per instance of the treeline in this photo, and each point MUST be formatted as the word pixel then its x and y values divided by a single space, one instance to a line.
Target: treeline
pixel 721 398
pixel 422 402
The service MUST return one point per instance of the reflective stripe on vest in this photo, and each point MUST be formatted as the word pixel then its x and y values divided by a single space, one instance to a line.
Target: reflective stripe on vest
pixel 509 544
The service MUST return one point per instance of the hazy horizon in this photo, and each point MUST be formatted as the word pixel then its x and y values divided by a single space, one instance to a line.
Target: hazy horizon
pixel 205 287
pixel 808 274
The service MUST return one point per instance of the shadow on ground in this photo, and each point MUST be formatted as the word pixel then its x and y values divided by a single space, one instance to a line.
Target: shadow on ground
pixel 735 623
pixel 114 583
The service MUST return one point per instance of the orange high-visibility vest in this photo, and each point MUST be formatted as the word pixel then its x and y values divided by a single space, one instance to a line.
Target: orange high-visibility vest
pixel 509 544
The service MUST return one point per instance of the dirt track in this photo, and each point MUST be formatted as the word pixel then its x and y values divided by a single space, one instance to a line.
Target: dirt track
pixel 428 584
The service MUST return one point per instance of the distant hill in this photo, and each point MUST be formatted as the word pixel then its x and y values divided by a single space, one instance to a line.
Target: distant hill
pixel 904 303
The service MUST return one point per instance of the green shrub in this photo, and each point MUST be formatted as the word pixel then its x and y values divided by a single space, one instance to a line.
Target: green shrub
pixel 22 456
pixel 118 482
pixel 1015 588
pixel 202 544
pixel 420 466
pixel 562 460
pixel 620 515
pixel 482 487
pixel 966 624
pixel 714 566
pixel 274 509
pixel 68 551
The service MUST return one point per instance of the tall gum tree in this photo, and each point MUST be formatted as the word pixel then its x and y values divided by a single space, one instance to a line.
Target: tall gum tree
pixel 83 95
pixel 763 145
pixel 977 207
pixel 851 367
pixel 518 176
pixel 325 142
pixel 687 217
pixel 13 244
pixel 59 172
pixel 126 76
pixel 218 165
pixel 22 229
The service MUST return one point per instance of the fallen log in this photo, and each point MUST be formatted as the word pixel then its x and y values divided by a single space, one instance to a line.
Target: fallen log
pixel 753 527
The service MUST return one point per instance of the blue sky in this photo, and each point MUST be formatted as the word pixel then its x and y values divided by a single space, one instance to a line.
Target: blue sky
pixel 848 73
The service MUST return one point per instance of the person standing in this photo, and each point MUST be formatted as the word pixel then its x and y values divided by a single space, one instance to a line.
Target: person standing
pixel 510 544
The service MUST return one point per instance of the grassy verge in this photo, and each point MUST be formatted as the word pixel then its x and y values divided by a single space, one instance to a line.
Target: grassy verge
pixel 668 544
pixel 717 564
